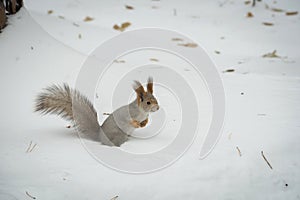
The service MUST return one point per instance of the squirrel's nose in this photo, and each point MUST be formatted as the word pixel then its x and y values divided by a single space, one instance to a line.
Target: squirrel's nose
pixel 155 108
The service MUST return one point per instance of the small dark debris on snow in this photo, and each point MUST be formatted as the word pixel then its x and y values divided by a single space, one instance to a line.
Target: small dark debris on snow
pixel 286 185
pixel 129 7
pixel 75 24
pixel 106 113
pixel 50 12
pixel 262 153
pixel 277 10
pixel 88 19
pixel 291 13
pixel 31 47
pixel 114 198
pixel 228 70
pixel 268 24
pixel 247 2
pixel 79 36
pixel 154 59
pixel 32 197
pixel 69 126
pixel 217 52
pixel 239 151
pixel 190 45
pixel 177 39
pixel 61 17
pixel 31 147
pixel 242 93
pixel 119 61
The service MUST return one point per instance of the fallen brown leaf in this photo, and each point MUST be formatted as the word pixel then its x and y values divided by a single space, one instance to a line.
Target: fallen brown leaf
pixel 249 14
pixel 190 45
pixel 88 19
pixel 122 27
pixel 291 13
pixel 129 7
pixel 268 24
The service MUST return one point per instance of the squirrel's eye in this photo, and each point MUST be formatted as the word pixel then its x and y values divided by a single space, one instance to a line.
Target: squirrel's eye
pixel 148 102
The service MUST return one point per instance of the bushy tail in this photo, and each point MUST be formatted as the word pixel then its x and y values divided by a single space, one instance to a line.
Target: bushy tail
pixel 70 105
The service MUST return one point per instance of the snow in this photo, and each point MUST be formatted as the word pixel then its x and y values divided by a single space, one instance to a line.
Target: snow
pixel 262 101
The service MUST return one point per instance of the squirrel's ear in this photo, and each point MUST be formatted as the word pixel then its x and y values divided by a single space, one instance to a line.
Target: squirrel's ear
pixel 139 89
pixel 150 85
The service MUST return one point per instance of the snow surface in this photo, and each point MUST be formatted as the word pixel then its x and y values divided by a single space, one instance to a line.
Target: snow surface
pixel 262 101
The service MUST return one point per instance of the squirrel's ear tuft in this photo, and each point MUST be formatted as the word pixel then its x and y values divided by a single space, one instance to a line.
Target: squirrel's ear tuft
pixel 150 85
pixel 139 89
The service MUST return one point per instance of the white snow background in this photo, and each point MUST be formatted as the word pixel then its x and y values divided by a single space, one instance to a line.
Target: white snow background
pixel 262 101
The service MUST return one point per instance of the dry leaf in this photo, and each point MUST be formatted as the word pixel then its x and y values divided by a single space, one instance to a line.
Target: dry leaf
pixel 277 10
pixel 122 27
pixel 271 55
pixel 154 59
pixel 249 14
pixel 191 45
pixel 228 70
pixel 291 13
pixel 50 12
pixel 129 7
pixel 88 19
pixel 268 24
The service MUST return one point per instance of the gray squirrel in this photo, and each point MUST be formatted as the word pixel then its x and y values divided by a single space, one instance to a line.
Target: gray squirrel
pixel 71 105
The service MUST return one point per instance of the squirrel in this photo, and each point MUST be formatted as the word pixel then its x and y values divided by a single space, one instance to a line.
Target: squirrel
pixel 71 105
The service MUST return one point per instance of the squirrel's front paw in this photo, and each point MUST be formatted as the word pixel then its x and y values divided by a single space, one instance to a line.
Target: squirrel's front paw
pixel 143 123
pixel 135 123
